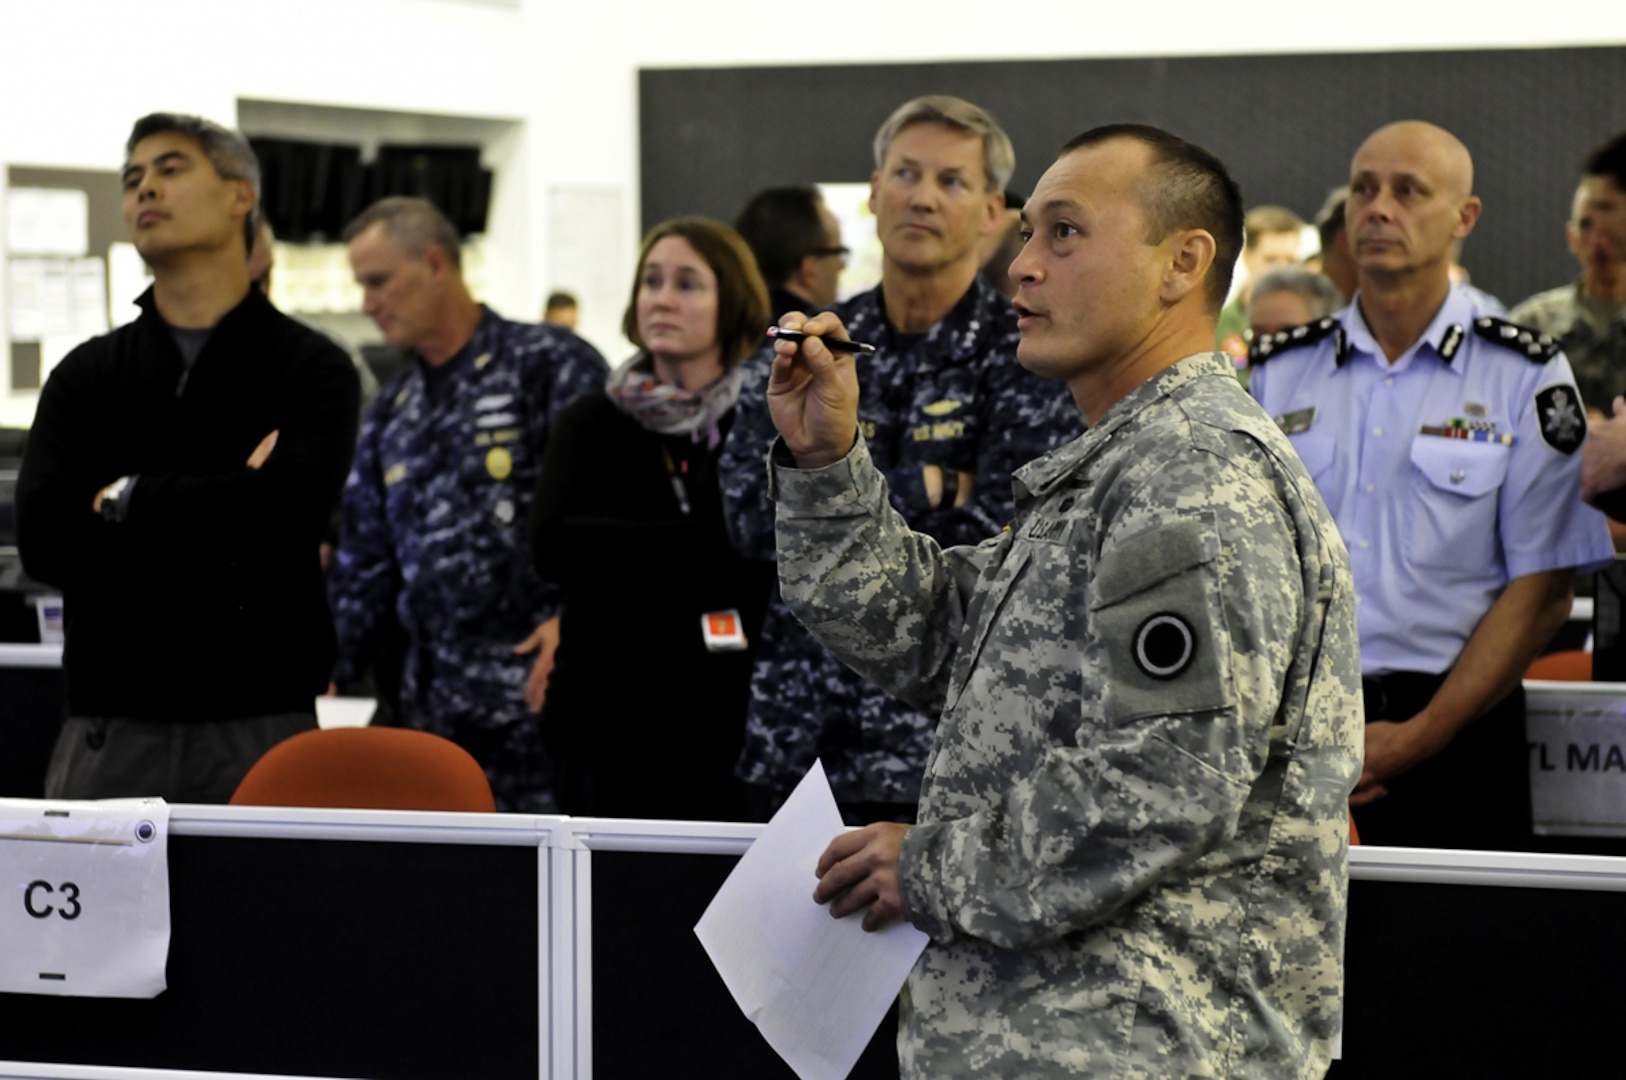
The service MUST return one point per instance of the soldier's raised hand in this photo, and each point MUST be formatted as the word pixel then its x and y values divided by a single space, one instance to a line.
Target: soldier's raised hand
pixel 813 392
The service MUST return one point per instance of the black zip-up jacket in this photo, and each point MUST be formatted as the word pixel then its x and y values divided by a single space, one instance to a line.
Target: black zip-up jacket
pixel 206 602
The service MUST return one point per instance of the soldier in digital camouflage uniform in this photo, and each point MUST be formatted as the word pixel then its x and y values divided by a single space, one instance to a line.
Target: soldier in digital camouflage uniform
pixel 1588 317
pixel 948 414
pixel 437 508
pixel 1131 855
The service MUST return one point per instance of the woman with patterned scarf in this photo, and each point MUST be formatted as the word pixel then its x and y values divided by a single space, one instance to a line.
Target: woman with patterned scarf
pixel 646 702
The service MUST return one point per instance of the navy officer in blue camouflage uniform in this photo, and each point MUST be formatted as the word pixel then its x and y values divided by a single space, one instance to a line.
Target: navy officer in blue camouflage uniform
pixel 437 506
pixel 948 414
pixel 1444 440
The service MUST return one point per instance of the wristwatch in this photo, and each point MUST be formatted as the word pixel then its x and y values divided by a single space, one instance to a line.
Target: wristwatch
pixel 112 510
pixel 951 488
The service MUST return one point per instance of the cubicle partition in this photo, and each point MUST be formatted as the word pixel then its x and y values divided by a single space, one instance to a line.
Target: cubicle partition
pixel 345 943
pixel 331 943
pixel 650 1003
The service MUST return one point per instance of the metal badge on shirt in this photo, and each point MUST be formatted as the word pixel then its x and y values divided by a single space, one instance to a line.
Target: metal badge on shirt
pixel 1297 422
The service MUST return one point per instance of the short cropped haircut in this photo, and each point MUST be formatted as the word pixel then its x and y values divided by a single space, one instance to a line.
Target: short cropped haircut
pixel 782 227
pixel 559 299
pixel 742 298
pixel 413 225
pixel 1186 188
pixel 1320 295
pixel 227 150
pixel 1268 220
pixel 1608 159
pixel 1329 220
pixel 998 156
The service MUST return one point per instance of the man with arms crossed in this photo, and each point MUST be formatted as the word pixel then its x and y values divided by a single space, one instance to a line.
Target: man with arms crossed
pixel 177 484
pixel 1132 839
pixel 1444 440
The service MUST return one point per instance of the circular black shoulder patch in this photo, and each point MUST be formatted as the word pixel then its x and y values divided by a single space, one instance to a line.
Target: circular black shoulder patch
pixel 1165 645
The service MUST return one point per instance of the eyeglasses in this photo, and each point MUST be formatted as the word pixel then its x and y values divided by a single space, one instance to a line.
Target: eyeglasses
pixel 826 252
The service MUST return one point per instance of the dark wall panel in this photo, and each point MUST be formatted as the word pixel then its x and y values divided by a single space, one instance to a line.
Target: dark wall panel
pixel 1286 126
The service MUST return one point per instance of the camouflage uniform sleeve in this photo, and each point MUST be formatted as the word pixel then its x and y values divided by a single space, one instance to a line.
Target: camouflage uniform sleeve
pixel 742 470
pixel 886 600
pixel 1194 608
pixel 364 578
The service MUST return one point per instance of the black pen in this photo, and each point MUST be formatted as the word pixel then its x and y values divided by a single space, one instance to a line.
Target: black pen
pixel 833 344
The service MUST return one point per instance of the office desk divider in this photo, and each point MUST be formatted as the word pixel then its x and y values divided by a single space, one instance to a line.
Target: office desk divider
pixel 384 944
pixel 327 943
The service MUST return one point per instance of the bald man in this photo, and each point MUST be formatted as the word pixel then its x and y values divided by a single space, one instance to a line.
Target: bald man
pixel 1444 440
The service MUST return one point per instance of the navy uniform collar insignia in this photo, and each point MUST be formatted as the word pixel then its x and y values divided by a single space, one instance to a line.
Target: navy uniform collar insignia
pixel 1532 344
pixel 1562 426
pixel 1268 345
pixel 1450 342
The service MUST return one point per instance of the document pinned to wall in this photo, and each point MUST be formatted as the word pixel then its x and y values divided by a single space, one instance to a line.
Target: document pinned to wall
pixel 56 298
pixel 816 987
pixel 84 897
pixel 47 221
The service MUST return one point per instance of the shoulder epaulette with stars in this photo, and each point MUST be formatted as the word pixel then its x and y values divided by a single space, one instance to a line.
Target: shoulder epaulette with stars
pixel 1268 345
pixel 1533 345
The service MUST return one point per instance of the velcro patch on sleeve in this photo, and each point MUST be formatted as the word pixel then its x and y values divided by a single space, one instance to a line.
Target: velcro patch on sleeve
pixel 1156 611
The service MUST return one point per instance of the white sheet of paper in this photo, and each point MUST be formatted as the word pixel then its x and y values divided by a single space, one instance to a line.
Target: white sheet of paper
pixel 816 987
pixel 332 712
pixel 40 293
pixel 47 221
pixel 86 897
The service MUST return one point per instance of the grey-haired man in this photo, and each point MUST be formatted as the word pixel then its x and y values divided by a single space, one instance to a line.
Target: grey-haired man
pixel 948 414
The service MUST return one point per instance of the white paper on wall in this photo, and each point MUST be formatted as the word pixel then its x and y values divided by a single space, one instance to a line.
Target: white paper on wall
pixel 56 298
pixel 46 221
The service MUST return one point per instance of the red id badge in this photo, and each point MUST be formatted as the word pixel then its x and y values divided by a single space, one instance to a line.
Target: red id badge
pixel 722 631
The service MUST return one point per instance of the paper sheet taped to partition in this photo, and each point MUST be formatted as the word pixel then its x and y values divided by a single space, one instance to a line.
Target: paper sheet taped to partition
pixel 85 888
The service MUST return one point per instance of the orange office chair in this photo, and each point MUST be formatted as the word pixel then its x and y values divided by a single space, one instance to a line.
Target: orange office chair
pixel 1572 665
pixel 368 768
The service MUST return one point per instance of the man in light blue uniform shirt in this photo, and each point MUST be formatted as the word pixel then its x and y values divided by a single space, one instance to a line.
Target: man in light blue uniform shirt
pixel 1444 440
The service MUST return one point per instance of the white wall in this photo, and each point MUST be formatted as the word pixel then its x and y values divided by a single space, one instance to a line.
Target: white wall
pixel 75 73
